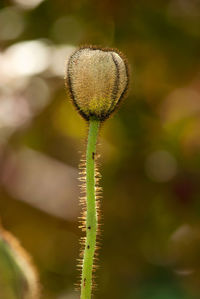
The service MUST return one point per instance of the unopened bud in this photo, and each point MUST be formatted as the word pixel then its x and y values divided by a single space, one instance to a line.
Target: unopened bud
pixel 97 80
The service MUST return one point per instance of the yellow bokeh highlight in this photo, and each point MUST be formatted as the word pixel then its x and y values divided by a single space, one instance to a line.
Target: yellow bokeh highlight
pixel 67 121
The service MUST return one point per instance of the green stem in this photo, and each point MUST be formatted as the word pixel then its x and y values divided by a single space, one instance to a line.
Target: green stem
pixel 91 212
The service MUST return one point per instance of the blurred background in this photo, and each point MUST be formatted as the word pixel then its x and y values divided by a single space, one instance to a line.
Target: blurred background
pixel 150 150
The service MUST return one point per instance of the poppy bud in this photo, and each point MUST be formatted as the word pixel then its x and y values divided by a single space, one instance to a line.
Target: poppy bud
pixel 97 80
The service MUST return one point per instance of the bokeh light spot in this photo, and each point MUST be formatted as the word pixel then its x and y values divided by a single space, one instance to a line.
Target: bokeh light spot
pixel 27 58
pixel 161 166
pixel 60 55
pixel 28 4
pixel 11 23
pixel 67 29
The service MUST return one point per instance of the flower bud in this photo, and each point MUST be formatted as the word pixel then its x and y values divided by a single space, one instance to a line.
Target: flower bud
pixel 97 80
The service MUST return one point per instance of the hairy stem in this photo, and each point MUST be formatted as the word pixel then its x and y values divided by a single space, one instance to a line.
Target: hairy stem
pixel 91 211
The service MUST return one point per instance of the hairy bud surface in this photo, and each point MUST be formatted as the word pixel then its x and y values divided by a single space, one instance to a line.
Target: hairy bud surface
pixel 97 80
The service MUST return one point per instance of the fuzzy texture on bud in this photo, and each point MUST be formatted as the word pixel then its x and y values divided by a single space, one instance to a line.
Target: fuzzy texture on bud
pixel 97 79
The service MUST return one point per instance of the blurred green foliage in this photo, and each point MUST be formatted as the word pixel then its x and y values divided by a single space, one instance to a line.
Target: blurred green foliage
pixel 18 278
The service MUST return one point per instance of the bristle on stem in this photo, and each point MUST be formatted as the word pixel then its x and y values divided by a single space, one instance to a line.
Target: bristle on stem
pixel 91 220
